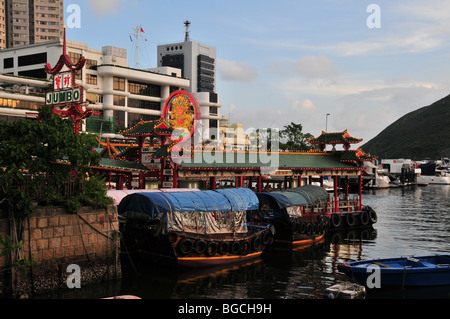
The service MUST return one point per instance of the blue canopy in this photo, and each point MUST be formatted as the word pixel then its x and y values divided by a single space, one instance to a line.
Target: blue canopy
pixel 155 204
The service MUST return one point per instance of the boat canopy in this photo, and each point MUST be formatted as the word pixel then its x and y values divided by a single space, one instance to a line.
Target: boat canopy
pixel 274 199
pixel 314 195
pixel 296 199
pixel 221 211
pixel 154 204
pixel 118 195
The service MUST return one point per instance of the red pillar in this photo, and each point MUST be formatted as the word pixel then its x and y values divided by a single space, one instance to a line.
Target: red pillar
pixel 360 193
pixel 259 184
pixel 119 185
pixel 212 181
pixel 336 201
pixel 300 181
pixel 175 175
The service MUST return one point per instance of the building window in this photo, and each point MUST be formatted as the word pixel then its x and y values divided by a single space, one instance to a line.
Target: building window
pixel 149 105
pixel 213 110
pixel 19 104
pixel 144 89
pixel 32 59
pixel 119 100
pixel 119 84
pixel 8 63
pixel 91 79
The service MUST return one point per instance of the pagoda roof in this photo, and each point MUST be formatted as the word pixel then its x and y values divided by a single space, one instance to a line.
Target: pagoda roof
pixel 356 155
pixel 148 128
pixel 335 138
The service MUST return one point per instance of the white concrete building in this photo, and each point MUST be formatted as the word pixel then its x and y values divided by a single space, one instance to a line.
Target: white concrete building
pixel 121 94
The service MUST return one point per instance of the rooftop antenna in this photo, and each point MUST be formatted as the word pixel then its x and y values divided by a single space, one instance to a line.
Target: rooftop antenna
pixel 187 24
pixel 138 34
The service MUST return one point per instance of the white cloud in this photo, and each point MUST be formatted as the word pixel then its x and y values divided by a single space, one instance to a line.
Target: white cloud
pixel 236 71
pixel 105 7
pixel 319 66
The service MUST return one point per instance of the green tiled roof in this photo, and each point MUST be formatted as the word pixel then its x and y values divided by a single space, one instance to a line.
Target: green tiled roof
pixel 143 128
pixel 335 138
pixel 117 165
pixel 298 161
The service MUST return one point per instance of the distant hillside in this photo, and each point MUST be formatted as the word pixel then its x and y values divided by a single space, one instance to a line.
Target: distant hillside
pixel 421 134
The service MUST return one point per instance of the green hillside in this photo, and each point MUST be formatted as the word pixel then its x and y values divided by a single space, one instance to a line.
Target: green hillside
pixel 424 133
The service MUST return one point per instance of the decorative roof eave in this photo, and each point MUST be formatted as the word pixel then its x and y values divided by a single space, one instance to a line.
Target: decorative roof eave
pixel 357 155
pixel 64 60
pixel 335 138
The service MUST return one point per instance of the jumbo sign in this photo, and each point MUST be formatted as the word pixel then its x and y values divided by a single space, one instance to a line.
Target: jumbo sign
pixel 64 90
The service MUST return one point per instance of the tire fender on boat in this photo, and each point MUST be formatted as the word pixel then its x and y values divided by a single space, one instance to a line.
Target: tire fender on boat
pixel 364 218
pixel 235 247
pixel 336 220
pixel 373 216
pixel 200 246
pixel 211 249
pixel 222 248
pixel 350 219
pixel 256 243
pixel 244 247
pixel 185 246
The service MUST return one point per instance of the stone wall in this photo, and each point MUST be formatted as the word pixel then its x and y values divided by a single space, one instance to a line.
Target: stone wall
pixel 55 239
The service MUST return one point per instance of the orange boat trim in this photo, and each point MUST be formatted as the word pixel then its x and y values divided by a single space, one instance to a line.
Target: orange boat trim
pixel 219 258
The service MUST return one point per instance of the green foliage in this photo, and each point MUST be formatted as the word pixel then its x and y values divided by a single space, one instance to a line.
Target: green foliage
pixel 93 194
pixel 296 140
pixel 6 247
pixel 43 153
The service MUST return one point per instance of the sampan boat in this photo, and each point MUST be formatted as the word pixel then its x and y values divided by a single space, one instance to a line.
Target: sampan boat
pixel 298 215
pixel 433 270
pixel 195 229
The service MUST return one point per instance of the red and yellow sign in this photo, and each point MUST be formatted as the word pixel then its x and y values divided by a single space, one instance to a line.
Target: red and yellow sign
pixel 181 111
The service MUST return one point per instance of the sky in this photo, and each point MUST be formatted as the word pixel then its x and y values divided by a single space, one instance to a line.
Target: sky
pixel 365 63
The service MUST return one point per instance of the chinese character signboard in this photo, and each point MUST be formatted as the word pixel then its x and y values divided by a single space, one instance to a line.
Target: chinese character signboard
pixel 67 98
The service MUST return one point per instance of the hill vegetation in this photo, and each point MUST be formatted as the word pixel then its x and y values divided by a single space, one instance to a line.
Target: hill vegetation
pixel 421 134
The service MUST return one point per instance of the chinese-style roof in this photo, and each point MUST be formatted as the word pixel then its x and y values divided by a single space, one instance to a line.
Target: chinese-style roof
pixel 122 166
pixel 335 138
pixel 251 161
pixel 356 155
pixel 148 128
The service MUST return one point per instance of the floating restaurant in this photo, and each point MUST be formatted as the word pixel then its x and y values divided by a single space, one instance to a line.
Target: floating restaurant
pixel 192 227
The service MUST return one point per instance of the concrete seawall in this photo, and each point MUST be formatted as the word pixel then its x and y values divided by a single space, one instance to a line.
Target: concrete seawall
pixel 55 240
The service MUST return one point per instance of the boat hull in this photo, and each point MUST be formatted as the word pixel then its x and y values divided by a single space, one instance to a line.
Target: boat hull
pixel 422 271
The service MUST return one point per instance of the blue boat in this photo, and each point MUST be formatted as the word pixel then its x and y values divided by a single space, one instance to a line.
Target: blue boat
pixel 424 271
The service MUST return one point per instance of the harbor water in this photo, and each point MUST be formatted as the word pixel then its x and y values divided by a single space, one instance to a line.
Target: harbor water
pixel 411 221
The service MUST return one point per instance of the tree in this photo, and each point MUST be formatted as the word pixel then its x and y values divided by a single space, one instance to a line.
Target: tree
pixel 296 140
pixel 38 157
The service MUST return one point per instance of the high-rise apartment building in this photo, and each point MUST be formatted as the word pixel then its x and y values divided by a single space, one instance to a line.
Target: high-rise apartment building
pixel 197 63
pixel 24 22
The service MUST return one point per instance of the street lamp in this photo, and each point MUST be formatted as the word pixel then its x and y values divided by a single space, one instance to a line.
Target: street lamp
pixel 326 125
